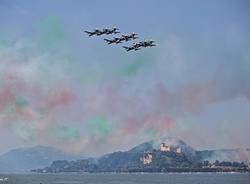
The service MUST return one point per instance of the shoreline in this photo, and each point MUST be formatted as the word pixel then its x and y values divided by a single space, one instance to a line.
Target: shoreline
pixel 137 173
pixel 152 173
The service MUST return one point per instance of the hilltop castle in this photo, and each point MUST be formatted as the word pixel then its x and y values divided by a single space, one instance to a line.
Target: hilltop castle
pixel 167 148
pixel 148 156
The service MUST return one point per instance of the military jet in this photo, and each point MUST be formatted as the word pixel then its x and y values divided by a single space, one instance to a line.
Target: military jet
pixel 131 36
pixel 137 46
pixel 95 32
pixel 114 30
pixel 110 41
pixel 106 31
pixel 149 43
pixel 131 48
pixel 114 41
pixel 121 39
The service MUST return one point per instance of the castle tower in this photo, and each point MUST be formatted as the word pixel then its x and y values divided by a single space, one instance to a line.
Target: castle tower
pixel 178 150
pixel 164 147
pixel 147 158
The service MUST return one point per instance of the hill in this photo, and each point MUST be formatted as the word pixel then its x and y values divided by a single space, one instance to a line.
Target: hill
pixel 24 159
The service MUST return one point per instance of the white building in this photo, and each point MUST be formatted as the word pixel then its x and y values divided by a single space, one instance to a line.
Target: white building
pixel 178 150
pixel 164 147
pixel 147 158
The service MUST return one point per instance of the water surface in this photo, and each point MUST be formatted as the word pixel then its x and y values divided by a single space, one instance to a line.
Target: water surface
pixel 197 178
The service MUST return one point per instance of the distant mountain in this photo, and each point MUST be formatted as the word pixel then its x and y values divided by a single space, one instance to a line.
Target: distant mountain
pixel 134 158
pixel 161 155
pixel 237 155
pixel 25 159
pixel 155 154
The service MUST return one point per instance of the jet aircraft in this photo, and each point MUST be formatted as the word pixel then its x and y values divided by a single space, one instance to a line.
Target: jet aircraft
pixel 122 38
pixel 114 41
pixel 114 30
pixel 137 46
pixel 131 48
pixel 149 43
pixel 131 36
pixel 106 31
pixel 95 32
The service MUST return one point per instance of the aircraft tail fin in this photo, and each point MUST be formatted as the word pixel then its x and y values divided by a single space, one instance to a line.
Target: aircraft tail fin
pixel 108 41
pixel 89 33
pixel 127 48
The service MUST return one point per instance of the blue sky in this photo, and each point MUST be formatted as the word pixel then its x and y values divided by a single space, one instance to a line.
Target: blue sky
pixel 59 87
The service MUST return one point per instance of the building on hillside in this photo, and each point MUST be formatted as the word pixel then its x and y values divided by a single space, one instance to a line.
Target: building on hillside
pixel 164 147
pixel 178 150
pixel 147 158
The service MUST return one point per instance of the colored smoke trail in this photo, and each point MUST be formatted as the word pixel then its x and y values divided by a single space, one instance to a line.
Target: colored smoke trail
pixel 52 95
pixel 99 126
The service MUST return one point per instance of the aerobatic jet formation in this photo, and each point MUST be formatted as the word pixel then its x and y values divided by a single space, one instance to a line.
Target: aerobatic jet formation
pixel 122 38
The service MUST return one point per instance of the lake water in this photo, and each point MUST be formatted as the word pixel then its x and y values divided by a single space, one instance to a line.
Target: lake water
pixel 197 178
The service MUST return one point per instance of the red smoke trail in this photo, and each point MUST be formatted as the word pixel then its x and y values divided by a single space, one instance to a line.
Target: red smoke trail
pixel 59 97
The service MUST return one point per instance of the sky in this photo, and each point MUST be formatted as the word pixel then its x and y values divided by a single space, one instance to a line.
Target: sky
pixel 61 88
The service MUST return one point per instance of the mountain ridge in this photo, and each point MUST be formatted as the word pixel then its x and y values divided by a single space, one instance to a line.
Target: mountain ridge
pixel 151 156
pixel 173 152
pixel 26 158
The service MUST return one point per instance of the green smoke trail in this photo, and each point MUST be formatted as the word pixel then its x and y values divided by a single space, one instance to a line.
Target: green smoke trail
pixel 2 46
pixel 65 133
pixel 100 126
pixel 21 101
pixel 141 62
pixel 133 68
pixel 151 133
pixel 51 32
